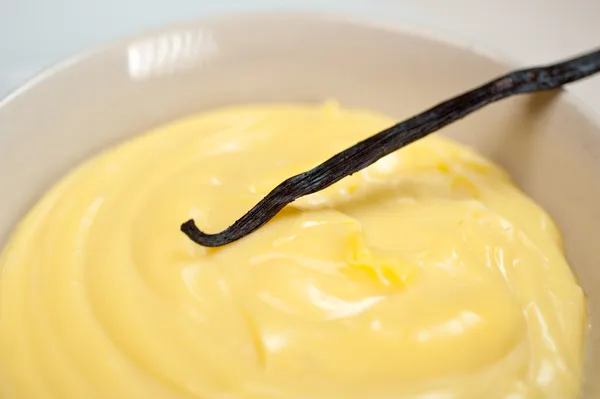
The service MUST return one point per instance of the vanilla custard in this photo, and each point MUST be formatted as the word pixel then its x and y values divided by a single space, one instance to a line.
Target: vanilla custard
pixel 428 275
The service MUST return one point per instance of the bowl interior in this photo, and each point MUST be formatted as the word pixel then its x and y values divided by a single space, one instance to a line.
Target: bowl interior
pixel 74 111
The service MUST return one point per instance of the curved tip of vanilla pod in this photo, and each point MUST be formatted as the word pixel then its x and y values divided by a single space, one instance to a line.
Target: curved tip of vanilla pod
pixel 190 229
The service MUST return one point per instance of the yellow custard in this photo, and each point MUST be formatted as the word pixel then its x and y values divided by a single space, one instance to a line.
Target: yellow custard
pixel 428 275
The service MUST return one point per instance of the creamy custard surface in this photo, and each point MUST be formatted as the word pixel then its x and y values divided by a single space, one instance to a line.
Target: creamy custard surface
pixel 428 275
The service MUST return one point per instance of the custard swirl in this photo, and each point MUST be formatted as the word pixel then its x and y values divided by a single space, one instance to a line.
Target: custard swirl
pixel 427 275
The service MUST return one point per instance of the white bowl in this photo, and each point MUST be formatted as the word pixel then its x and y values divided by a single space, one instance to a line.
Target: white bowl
pixel 79 108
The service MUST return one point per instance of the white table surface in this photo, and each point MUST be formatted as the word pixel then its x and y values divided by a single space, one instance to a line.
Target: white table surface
pixel 37 33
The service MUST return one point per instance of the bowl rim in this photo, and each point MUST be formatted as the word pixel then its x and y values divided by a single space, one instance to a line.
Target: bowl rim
pixel 436 34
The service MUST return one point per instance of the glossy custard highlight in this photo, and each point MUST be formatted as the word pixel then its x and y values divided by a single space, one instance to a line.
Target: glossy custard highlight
pixel 427 275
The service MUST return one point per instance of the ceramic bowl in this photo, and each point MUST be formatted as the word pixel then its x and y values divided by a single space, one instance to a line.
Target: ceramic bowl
pixel 73 111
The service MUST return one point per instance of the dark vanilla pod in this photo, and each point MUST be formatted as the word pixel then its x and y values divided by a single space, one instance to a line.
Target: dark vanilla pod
pixel 368 151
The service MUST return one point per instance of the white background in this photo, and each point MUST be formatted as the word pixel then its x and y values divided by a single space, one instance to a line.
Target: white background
pixel 37 33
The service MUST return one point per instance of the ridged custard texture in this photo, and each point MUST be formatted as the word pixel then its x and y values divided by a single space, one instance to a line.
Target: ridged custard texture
pixel 428 275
